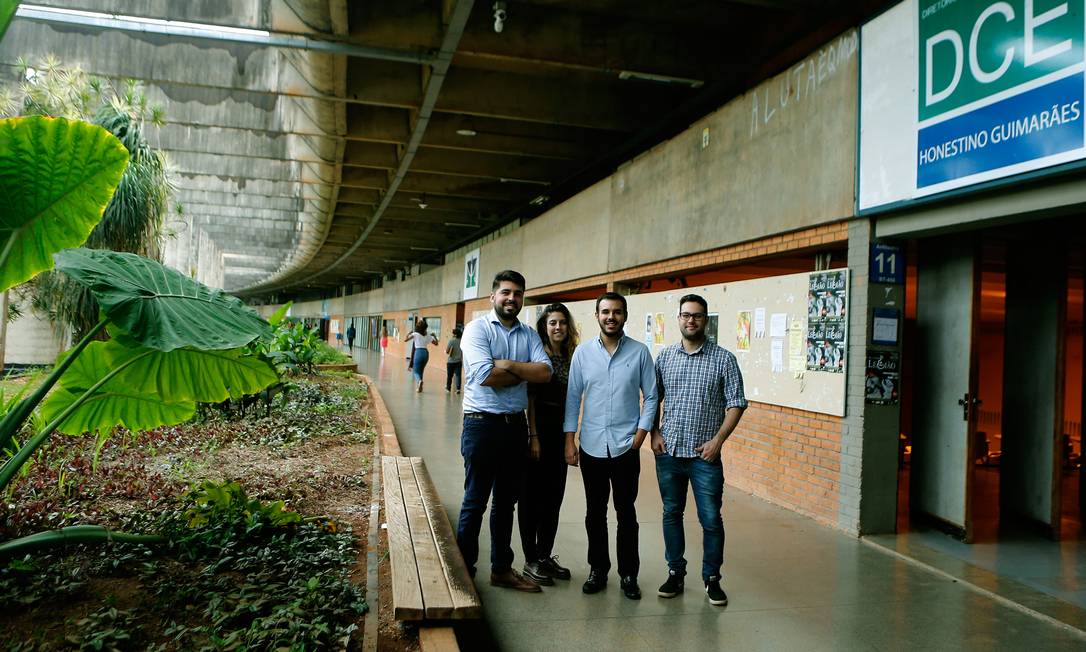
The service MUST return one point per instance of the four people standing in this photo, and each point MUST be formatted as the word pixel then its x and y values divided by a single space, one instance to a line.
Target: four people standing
pixel 611 393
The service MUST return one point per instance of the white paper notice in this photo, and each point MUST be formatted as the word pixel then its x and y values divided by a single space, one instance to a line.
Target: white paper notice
pixel 884 330
pixel 776 355
pixel 778 323
pixel 759 322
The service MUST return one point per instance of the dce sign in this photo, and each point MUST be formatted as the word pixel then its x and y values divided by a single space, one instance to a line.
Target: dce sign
pixel 973 50
pixel 958 92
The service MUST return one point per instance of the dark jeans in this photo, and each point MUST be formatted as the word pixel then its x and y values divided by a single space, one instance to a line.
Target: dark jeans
pixel 544 488
pixel 453 369
pixel 602 476
pixel 707 479
pixel 493 451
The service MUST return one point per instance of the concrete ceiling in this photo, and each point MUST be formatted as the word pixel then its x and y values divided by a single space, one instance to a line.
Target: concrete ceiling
pixel 309 165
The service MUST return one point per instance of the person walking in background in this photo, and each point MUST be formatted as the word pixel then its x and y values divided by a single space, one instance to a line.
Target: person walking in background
pixel 384 341
pixel 545 480
pixel 610 376
pixel 421 355
pixel 501 355
pixel 455 364
pixel 702 400
pixel 351 332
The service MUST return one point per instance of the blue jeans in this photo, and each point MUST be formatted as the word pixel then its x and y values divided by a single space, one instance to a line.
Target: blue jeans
pixel 494 452
pixel 418 363
pixel 707 479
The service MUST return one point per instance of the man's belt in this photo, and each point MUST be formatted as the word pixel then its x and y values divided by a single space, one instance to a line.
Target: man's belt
pixel 507 417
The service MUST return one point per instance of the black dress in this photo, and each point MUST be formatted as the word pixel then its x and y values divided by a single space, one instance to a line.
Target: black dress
pixel 545 479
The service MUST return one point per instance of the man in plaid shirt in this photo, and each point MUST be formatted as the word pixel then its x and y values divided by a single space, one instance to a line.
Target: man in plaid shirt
pixel 701 399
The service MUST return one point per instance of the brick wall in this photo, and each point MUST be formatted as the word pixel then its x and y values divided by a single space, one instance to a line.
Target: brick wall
pixel 789 457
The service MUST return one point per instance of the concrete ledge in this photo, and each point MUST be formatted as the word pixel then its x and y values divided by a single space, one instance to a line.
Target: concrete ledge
pixel 346 366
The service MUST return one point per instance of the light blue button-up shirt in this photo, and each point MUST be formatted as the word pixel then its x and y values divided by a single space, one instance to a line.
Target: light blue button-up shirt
pixel 611 387
pixel 485 340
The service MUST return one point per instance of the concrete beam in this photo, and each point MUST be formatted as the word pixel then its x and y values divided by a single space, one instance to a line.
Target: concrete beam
pixel 573 99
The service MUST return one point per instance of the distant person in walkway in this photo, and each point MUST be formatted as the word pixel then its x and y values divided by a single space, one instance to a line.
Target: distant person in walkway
pixel 384 341
pixel 455 364
pixel 421 355
pixel 350 336
pixel 702 400
pixel 501 355
pixel 545 479
pixel 610 376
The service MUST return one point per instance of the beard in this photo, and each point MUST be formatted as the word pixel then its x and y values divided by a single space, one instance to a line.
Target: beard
pixel 507 309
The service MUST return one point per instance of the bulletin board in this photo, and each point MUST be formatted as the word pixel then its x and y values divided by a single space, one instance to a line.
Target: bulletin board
pixel 789 333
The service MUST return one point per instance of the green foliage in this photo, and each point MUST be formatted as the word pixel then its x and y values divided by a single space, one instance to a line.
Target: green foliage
pixel 7 10
pixel 56 177
pixel 133 220
pixel 106 629
pixel 279 315
pixel 160 307
pixel 227 502
pixel 148 388
pixel 292 347
pixel 328 354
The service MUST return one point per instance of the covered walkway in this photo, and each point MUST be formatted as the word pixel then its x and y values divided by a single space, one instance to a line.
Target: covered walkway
pixel 792 584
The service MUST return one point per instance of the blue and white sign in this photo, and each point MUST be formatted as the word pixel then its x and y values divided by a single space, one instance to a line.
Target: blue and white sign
pixel 887 264
pixel 960 92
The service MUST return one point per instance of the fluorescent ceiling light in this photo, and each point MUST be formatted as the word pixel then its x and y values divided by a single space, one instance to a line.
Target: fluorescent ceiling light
pixel 425 249
pixel 395 261
pixel 467 132
pixel 664 79
pixel 466 225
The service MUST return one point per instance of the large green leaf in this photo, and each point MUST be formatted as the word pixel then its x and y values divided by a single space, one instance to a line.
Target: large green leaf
pixel 114 403
pixel 191 374
pixel 7 10
pixel 107 409
pixel 56 178
pixel 160 307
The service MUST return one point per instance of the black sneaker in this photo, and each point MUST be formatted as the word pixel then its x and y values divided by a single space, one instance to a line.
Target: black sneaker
pixel 715 594
pixel 549 565
pixel 630 589
pixel 596 581
pixel 537 574
pixel 672 587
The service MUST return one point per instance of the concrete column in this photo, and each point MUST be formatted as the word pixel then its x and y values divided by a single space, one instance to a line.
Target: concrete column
pixel 869 433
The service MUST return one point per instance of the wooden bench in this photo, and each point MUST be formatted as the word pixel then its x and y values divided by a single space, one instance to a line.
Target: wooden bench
pixel 430 580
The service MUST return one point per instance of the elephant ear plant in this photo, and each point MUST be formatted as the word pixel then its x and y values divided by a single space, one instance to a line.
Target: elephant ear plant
pixel 175 342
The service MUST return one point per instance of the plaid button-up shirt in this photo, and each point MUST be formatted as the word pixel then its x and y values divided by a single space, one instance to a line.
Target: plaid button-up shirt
pixel 696 389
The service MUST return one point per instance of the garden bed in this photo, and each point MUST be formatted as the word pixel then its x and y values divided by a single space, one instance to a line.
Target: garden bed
pixel 266 512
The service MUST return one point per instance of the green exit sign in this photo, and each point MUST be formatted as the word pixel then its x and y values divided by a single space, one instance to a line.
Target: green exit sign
pixel 969 50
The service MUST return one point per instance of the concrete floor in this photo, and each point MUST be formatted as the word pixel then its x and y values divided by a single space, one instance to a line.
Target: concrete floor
pixel 792 584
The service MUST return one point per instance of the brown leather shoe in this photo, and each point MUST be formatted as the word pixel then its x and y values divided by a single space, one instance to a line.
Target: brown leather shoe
pixel 511 579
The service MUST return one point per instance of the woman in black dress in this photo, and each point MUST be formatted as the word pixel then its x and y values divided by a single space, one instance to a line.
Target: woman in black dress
pixel 545 481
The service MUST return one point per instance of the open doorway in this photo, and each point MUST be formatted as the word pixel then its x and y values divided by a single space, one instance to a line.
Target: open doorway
pixel 991 440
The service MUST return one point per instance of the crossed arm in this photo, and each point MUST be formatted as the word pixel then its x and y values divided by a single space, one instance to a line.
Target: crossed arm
pixel 511 372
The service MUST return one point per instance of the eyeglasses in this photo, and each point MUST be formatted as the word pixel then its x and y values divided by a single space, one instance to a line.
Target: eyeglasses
pixel 692 316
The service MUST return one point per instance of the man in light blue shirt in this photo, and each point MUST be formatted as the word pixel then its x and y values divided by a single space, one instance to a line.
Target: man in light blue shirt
pixel 501 355
pixel 610 375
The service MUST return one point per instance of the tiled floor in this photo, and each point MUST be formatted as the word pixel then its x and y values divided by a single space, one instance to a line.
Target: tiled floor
pixel 793 584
